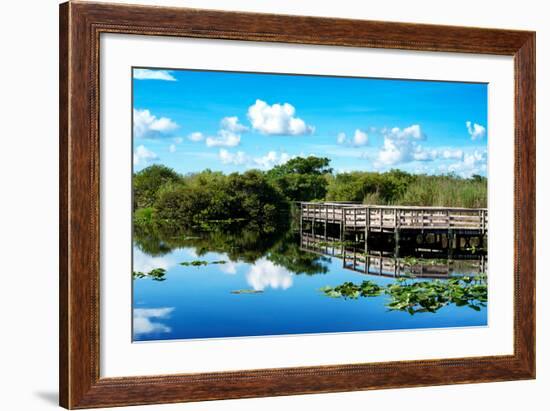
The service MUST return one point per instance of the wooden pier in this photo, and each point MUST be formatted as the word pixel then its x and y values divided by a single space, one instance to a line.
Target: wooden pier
pixel 447 227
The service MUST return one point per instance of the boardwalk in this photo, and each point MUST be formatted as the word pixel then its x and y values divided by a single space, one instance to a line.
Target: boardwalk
pixel 393 218
pixel 447 228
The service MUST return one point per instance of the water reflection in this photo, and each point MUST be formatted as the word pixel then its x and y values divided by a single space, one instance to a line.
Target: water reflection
pixel 224 284
pixel 384 263
pixel 264 273
pixel 146 321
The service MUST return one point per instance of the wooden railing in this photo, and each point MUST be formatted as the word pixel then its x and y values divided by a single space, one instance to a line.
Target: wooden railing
pixel 380 218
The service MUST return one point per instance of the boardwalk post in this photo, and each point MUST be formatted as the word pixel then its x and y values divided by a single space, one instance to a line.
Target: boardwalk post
pixel 301 218
pixel 367 226
pixel 313 222
pixel 325 207
pixel 396 230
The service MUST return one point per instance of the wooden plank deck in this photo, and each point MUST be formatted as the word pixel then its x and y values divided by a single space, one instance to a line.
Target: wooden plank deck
pixel 354 217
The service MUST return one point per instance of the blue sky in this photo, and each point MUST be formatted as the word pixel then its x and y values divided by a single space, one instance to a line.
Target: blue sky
pixel 191 120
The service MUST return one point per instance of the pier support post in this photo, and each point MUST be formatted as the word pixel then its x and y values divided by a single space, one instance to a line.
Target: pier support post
pixel 301 219
pixel 396 240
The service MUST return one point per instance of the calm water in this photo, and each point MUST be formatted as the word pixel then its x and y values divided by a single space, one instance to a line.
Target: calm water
pixel 197 301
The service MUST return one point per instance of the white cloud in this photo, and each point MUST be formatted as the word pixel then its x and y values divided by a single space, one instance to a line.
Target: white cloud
pixel 452 153
pixel 172 148
pixel 271 159
pixel 360 138
pixel 264 274
pixel 225 138
pixel 472 163
pixel 238 158
pixel 401 146
pixel 232 124
pixel 146 74
pixel 142 156
pixel 277 119
pixel 143 323
pixel 265 162
pixel 147 125
pixel 476 131
pixel 196 136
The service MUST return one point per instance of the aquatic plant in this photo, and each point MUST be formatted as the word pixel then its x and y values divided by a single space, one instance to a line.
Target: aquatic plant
pixel 156 274
pixel 195 263
pixel 198 263
pixel 353 291
pixel 247 291
pixel 413 296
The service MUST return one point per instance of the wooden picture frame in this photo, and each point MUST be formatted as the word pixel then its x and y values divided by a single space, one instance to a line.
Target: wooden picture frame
pixel 80 27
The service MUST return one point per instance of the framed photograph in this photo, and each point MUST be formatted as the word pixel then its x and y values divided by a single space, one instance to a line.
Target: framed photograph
pixel 259 205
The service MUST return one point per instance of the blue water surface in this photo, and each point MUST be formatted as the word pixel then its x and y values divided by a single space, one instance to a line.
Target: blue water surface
pixel 197 302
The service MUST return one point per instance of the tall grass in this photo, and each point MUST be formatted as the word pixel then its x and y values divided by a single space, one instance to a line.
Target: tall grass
pixel 400 188
pixel 445 191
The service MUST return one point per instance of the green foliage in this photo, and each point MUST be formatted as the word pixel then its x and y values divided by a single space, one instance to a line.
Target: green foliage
pixel 369 187
pixel 301 179
pixel 446 191
pixel 302 165
pixel 400 188
pixel 260 201
pixel 209 199
pixel 144 217
pixel 149 181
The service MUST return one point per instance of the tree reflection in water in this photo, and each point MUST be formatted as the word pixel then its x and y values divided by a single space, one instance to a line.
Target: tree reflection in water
pixel 282 248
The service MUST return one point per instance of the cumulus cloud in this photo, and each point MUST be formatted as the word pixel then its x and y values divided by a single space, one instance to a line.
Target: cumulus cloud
pixel 147 74
pixel 271 159
pixel 401 146
pixel 225 138
pixel 143 320
pixel 196 136
pixel 277 119
pixel 147 125
pixel 264 274
pixel 451 153
pixel 360 138
pixel 172 148
pixel 476 131
pixel 265 162
pixel 232 124
pixel 471 163
pixel 238 158
pixel 143 156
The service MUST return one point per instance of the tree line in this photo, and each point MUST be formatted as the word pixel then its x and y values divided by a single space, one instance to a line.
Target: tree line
pixel 262 199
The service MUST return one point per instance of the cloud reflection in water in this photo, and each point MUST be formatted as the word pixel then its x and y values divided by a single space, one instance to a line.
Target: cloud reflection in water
pixel 264 274
pixel 143 320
